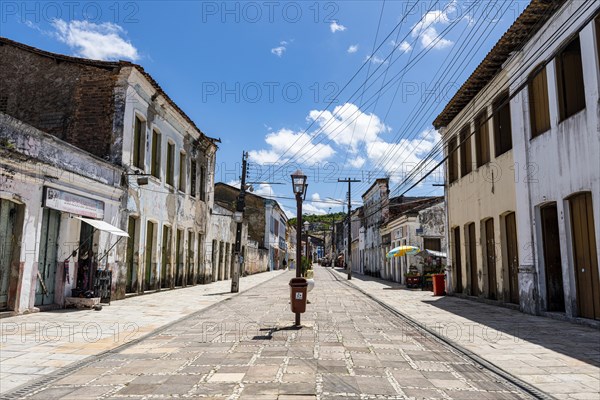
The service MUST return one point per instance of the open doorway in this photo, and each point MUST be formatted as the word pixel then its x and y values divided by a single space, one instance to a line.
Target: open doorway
pixel 11 223
pixel 555 295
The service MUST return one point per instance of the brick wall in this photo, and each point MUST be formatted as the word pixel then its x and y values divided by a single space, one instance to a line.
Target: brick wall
pixel 65 98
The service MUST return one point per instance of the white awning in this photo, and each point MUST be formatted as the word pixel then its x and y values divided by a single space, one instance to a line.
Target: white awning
pixel 431 253
pixel 104 226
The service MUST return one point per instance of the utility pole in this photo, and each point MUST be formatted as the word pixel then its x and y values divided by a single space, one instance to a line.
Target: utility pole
pixel 349 261
pixel 239 219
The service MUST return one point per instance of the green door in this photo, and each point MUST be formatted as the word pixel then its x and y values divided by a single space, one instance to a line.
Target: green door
pixel 8 212
pixel 46 278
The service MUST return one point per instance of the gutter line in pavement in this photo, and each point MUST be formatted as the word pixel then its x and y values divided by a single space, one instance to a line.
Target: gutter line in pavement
pixel 526 387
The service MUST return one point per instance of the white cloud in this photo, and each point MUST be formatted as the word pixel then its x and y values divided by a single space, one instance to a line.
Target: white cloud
pixel 315 197
pixel 426 29
pixel 264 189
pixel 352 49
pixel 357 162
pixel 281 49
pixel 400 158
pixel 278 51
pixel 375 59
pixel 96 41
pixel 348 126
pixel 335 27
pixel 311 209
pixel 297 144
pixel 404 46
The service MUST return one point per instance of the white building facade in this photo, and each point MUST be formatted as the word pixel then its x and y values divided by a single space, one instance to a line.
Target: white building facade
pixel 556 136
pixel 47 202
pixel 523 224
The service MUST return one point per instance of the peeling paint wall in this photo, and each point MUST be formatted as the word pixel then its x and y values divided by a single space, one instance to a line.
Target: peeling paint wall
pixel 376 212
pixel 558 163
pixel 487 192
pixel 160 203
pixel 31 160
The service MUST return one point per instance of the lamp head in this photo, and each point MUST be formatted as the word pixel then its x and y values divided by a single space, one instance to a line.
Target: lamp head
pixel 299 183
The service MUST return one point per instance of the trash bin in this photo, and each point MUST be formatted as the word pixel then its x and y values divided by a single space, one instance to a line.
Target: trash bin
pixel 439 286
pixel 298 288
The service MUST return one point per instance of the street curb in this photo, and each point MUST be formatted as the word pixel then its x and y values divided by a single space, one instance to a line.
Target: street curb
pixel 36 384
pixel 526 387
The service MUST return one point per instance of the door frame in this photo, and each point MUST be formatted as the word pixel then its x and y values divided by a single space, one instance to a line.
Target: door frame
pixel 511 294
pixel 542 262
pixel 14 278
pixel 492 276
pixel 47 211
pixel 573 277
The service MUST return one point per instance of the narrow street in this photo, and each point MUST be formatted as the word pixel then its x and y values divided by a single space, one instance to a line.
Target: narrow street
pixel 244 347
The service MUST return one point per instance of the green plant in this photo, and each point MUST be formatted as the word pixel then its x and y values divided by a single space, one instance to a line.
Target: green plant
pixel 305 265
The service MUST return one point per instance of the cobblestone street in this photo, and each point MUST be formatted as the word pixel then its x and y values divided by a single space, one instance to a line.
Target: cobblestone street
pixel 244 347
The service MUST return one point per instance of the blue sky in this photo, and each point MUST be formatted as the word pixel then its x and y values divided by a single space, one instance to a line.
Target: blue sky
pixel 261 76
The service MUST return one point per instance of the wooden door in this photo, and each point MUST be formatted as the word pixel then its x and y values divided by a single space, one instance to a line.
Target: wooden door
pixel 457 261
pixel 132 263
pixel 472 259
pixel 512 255
pixel 555 295
pixel 585 259
pixel 47 262
pixel 179 259
pixel 8 243
pixel 165 266
pixel 149 249
pixel 491 258
pixel 190 259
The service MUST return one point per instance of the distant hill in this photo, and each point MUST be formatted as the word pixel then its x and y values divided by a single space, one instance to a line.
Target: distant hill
pixel 320 222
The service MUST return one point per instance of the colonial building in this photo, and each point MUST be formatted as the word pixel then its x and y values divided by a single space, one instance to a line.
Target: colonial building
pixel 52 195
pixel 267 228
pixel 275 234
pixel 117 112
pixel 375 211
pixel 357 241
pixel 523 173
pixel 412 222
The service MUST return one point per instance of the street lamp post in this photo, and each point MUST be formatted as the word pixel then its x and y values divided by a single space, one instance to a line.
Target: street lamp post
pixel 299 185
pixel 306 226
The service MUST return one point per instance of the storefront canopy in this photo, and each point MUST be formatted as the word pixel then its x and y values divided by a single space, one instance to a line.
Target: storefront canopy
pixel 431 253
pixel 104 226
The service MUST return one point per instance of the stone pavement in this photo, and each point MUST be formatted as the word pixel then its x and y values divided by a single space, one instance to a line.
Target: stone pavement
pixel 35 345
pixel 558 357
pixel 244 347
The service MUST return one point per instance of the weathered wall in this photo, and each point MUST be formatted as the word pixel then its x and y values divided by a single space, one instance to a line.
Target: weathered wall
pixel 255 206
pixel 72 100
pixel 432 222
pixel 376 212
pixel 158 202
pixel 31 159
pixel 558 163
pixel 486 192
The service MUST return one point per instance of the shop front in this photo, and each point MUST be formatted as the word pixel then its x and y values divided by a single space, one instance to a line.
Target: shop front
pixel 72 262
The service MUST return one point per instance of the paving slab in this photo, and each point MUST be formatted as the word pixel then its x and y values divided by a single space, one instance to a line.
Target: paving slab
pixel 246 347
pixel 557 357
pixel 35 345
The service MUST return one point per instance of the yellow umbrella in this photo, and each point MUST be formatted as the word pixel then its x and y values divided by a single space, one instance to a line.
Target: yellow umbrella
pixel 402 251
